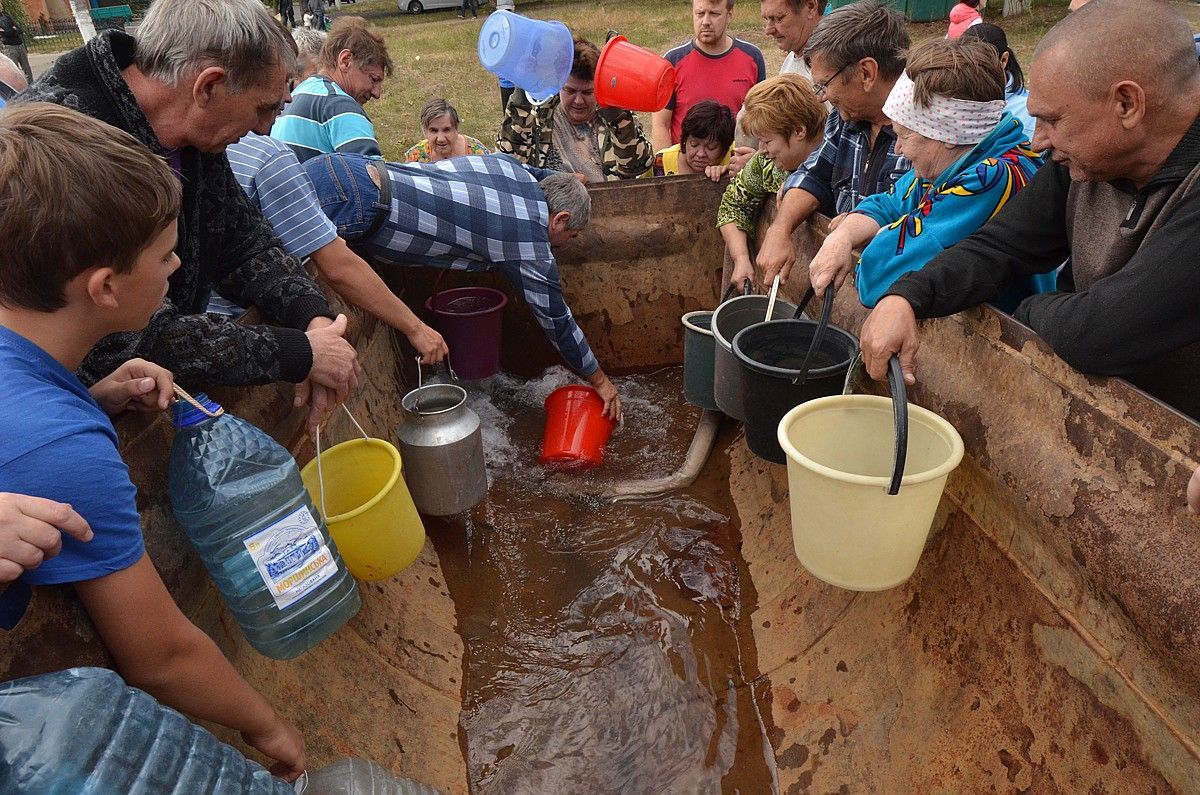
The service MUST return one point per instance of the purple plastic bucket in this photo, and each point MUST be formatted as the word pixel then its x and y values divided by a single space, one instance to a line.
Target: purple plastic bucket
pixel 470 318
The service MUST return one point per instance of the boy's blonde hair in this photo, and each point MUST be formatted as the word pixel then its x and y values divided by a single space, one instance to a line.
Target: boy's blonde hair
pixel 782 105
pixel 75 193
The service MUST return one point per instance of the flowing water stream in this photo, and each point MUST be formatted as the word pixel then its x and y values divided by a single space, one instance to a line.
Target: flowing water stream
pixel 604 652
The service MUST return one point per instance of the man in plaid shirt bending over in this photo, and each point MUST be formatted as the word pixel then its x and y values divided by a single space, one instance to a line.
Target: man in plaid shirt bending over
pixel 469 213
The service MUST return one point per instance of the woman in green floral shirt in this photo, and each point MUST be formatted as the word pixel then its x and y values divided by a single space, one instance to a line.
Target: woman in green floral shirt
pixel 788 120
pixel 439 122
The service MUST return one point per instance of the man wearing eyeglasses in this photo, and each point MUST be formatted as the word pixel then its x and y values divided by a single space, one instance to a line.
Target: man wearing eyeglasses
pixel 856 54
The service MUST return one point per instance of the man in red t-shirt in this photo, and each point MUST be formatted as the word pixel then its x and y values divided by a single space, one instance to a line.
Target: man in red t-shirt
pixel 710 66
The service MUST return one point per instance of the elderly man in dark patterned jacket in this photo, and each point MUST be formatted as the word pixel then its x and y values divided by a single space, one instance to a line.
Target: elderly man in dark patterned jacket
pixel 167 91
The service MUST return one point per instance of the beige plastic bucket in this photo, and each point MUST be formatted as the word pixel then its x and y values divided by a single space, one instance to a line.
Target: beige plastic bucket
pixel 848 531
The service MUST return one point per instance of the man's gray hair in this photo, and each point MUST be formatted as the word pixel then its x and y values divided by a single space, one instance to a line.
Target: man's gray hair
pixel 565 193
pixel 866 29
pixel 309 42
pixel 178 36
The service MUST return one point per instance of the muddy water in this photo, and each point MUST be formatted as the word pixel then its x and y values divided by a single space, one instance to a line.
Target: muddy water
pixel 603 650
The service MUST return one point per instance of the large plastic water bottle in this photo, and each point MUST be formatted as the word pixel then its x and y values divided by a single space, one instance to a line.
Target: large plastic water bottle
pixel 359 777
pixel 238 495
pixel 84 730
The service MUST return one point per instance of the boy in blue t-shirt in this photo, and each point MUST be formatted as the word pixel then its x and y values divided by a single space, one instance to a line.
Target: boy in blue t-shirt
pixel 74 272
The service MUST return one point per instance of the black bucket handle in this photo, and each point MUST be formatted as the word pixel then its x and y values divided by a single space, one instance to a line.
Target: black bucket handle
pixel 900 419
pixel 747 288
pixel 808 296
pixel 819 334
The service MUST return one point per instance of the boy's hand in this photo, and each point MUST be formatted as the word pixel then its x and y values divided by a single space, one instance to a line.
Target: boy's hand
pixel 137 385
pixel 31 531
pixel 284 743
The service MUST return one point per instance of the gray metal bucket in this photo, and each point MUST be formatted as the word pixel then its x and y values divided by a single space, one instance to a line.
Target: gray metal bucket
pixel 698 352
pixel 731 317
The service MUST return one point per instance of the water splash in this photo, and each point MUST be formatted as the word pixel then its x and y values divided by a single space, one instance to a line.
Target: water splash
pixel 602 648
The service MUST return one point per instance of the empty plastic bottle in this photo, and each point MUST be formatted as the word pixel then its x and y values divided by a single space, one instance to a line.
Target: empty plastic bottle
pixel 85 731
pixel 238 495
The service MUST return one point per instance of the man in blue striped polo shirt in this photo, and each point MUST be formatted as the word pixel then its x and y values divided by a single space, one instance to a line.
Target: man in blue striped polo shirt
pixel 326 112
pixel 276 183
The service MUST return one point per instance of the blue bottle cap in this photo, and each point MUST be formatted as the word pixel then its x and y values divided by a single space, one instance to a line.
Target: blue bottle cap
pixel 185 415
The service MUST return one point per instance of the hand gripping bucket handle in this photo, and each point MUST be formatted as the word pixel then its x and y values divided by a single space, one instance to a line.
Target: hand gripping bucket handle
pixel 899 413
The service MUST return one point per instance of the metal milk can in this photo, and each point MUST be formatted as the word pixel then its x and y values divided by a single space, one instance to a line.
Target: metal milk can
pixel 441 445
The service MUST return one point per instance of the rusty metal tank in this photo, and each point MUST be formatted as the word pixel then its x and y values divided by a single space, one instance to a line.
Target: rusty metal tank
pixel 1049 641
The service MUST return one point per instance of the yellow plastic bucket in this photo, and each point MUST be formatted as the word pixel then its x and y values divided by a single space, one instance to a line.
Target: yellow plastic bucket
pixel 841 456
pixel 367 507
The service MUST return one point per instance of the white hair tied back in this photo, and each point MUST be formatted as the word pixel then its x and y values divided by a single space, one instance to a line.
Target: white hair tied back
pixel 960 122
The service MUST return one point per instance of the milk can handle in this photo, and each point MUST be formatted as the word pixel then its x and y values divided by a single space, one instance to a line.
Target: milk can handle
pixel 900 419
pixel 445 363
pixel 320 471
pixel 819 334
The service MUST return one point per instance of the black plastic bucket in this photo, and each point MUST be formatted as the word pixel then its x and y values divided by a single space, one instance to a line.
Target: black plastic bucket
pixel 771 355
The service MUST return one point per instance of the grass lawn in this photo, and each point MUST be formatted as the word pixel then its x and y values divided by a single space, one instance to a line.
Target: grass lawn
pixel 435 52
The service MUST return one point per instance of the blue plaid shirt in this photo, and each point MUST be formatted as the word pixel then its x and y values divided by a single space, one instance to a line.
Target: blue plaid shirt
pixel 843 171
pixel 476 213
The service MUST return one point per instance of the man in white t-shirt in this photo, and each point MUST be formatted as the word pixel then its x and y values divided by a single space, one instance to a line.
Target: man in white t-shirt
pixel 790 23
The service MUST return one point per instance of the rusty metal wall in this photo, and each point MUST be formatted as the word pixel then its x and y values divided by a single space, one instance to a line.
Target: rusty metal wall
pixel 1050 638
pixel 1048 642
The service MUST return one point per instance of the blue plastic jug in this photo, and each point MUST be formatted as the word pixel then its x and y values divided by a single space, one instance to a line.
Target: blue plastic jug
pixel 531 53
pixel 239 497
pixel 85 731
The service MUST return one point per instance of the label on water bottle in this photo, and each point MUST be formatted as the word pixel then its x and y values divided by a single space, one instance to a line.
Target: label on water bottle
pixel 291 556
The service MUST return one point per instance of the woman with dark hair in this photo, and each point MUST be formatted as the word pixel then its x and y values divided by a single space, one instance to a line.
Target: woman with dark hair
pixel 706 140
pixel 1015 93
pixel 569 132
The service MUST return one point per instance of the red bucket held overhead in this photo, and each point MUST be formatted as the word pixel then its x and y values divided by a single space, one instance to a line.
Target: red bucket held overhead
pixel 632 77
pixel 576 429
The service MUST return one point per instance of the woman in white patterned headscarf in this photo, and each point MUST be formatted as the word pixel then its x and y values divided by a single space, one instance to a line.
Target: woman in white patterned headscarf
pixel 968 155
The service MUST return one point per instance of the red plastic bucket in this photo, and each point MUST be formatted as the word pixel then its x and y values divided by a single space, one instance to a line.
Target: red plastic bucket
pixel 576 429
pixel 632 77
pixel 470 319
